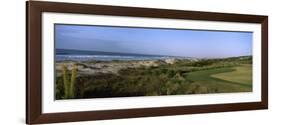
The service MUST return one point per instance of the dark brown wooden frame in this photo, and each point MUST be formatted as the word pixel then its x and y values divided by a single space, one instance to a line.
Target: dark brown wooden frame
pixel 34 11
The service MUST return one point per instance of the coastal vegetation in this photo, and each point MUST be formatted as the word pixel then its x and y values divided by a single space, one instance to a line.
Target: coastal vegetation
pixel 102 79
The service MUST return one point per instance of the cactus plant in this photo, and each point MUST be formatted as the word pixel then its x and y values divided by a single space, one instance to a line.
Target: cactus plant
pixel 65 81
pixel 69 83
pixel 72 81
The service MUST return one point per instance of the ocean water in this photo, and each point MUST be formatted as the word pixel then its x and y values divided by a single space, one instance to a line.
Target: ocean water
pixel 107 57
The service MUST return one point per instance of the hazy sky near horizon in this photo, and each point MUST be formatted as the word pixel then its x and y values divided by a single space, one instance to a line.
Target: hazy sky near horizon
pixel 188 43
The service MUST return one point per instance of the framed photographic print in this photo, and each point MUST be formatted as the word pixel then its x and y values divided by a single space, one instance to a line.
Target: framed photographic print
pixel 93 62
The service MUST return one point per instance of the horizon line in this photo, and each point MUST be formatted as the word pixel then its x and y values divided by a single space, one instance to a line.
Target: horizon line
pixel 158 54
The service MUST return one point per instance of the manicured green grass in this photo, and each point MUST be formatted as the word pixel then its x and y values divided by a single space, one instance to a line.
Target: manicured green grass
pixel 204 79
pixel 241 74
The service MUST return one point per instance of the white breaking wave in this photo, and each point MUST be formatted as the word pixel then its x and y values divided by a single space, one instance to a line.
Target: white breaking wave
pixel 106 57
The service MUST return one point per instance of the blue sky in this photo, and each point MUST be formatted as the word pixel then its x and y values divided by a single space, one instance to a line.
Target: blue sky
pixel 188 43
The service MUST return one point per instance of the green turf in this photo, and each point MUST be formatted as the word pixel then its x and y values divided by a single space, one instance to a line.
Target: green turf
pixel 203 80
pixel 241 74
